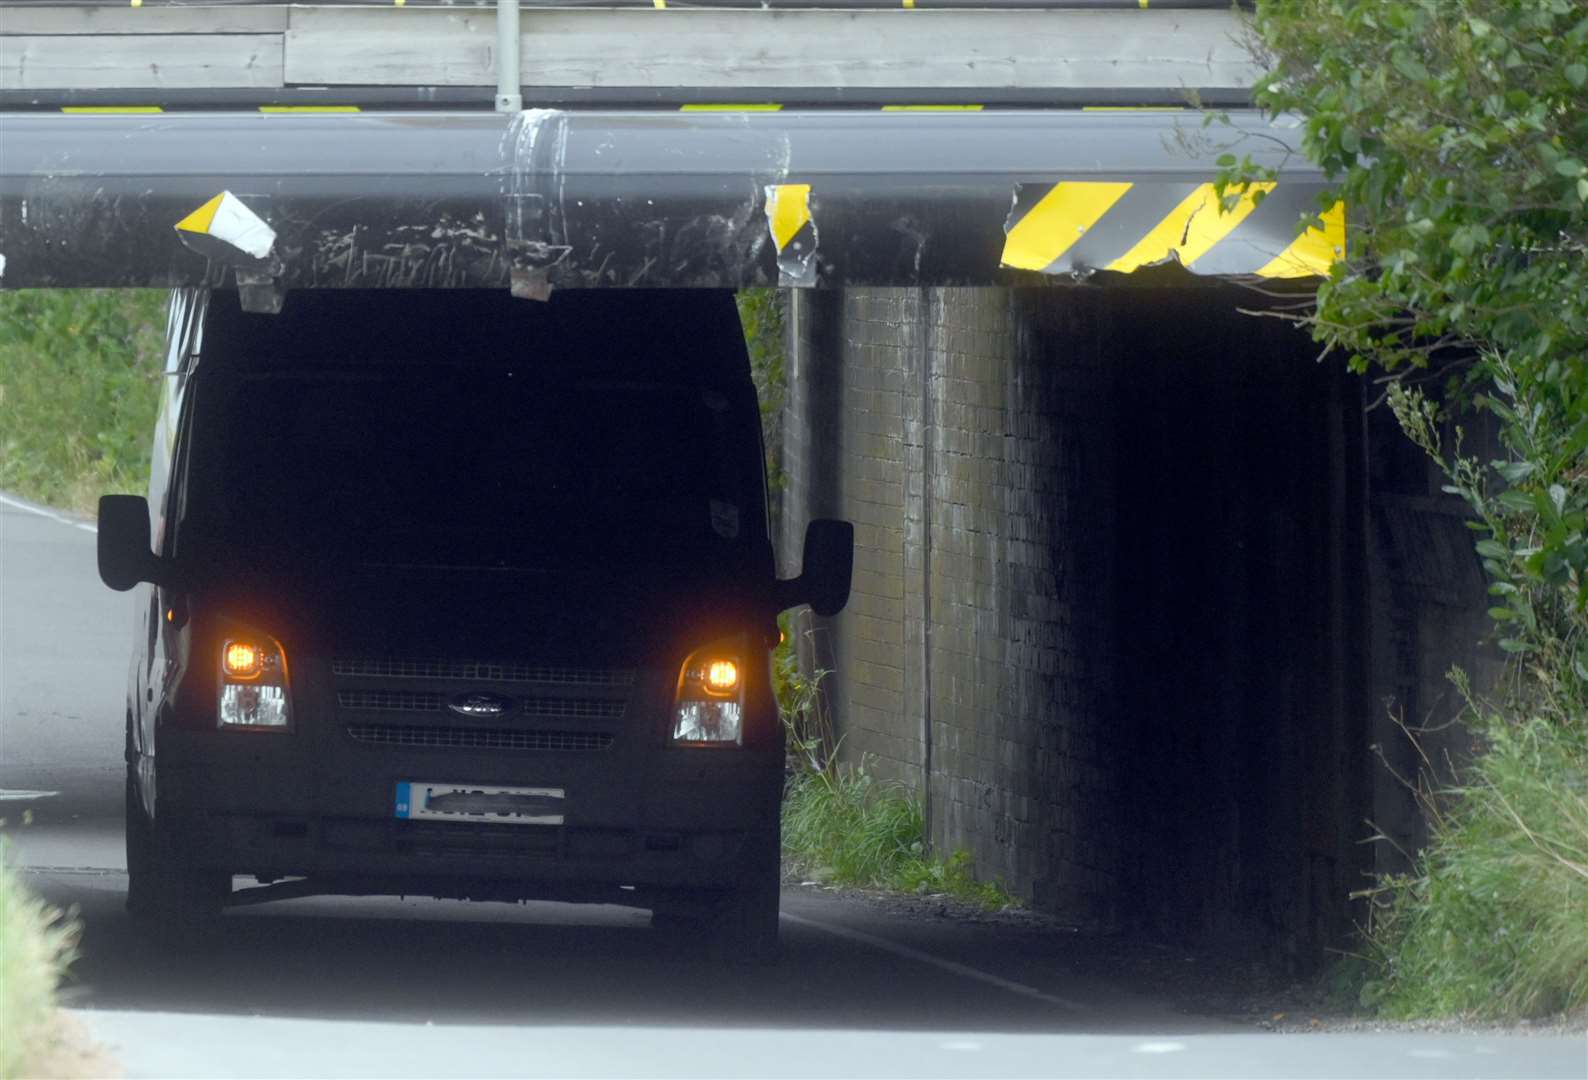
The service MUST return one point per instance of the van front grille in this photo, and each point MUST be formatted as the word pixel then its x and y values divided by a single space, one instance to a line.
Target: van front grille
pixel 482 672
pixel 539 708
pixel 388 701
pixel 573 708
pixel 450 738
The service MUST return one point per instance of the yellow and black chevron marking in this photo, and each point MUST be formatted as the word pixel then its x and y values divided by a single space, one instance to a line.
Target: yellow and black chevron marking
pixel 788 216
pixel 788 210
pixel 1313 252
pixel 1122 225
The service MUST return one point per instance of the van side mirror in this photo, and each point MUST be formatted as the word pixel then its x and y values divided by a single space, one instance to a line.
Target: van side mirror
pixel 825 569
pixel 124 555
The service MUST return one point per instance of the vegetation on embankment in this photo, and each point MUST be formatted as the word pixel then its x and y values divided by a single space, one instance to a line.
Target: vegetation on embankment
pixel 36 944
pixel 1454 132
pixel 79 389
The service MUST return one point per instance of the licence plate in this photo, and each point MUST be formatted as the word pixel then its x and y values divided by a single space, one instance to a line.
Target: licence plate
pixel 479 803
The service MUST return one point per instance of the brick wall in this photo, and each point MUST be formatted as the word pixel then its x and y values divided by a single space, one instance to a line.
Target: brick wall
pixel 960 426
pixel 1429 615
pixel 1111 594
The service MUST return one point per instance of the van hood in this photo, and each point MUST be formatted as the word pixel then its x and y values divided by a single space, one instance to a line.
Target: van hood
pixel 607 617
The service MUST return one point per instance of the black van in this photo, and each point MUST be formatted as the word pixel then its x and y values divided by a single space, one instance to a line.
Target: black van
pixel 453 594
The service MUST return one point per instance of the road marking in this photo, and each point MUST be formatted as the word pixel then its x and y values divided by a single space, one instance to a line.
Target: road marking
pixel 43 511
pixel 956 968
pixel 14 794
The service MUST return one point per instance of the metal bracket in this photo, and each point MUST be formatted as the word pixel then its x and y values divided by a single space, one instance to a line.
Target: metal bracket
pixel 531 254
pixel 260 291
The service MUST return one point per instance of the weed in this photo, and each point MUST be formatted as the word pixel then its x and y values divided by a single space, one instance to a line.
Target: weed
pixel 843 825
pixel 840 823
pixel 36 944
pixel 807 723
pixel 1494 922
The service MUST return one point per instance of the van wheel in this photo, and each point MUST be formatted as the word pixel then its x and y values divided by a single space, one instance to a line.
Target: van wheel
pixel 745 929
pixel 181 903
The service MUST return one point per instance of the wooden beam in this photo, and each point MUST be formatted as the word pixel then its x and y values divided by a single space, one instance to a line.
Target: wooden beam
pixel 31 21
pixel 176 46
pixel 716 48
pixel 141 61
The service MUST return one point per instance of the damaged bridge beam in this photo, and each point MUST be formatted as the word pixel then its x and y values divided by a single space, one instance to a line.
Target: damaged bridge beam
pixel 547 199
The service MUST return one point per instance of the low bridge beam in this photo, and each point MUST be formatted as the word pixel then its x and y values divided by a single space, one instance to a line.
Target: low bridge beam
pixel 548 198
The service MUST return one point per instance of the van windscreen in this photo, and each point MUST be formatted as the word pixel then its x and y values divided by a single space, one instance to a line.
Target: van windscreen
pixel 487 469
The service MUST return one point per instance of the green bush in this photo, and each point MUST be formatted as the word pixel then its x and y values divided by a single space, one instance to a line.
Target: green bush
pixel 1454 134
pixel 36 944
pixel 79 390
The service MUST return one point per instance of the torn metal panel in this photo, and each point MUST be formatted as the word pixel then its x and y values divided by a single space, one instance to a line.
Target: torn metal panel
pixel 554 199
pixel 788 217
pixel 233 227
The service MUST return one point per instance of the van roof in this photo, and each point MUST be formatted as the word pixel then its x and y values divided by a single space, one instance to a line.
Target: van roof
pixel 675 335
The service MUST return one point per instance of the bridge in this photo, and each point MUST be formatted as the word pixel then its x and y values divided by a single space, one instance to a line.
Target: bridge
pixel 1134 574
pixel 720 144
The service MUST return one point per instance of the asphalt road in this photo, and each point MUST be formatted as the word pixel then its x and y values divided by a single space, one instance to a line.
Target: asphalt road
pixel 387 987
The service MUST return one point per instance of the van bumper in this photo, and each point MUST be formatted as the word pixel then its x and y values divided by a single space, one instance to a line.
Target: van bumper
pixel 668 821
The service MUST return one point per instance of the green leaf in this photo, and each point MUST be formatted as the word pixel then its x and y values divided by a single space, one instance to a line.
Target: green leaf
pixel 1570 167
pixel 1576 74
pixel 1516 500
pixel 1514 472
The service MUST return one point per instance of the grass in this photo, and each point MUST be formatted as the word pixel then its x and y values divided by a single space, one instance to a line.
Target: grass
pixel 846 827
pixel 36 944
pixel 1493 924
pixel 79 389
pixel 841 824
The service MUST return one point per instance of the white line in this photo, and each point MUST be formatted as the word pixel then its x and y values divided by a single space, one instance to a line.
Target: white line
pixel 937 961
pixel 43 511
pixel 14 794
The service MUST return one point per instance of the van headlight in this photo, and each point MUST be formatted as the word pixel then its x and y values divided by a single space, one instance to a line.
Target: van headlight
pixel 708 709
pixel 253 670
